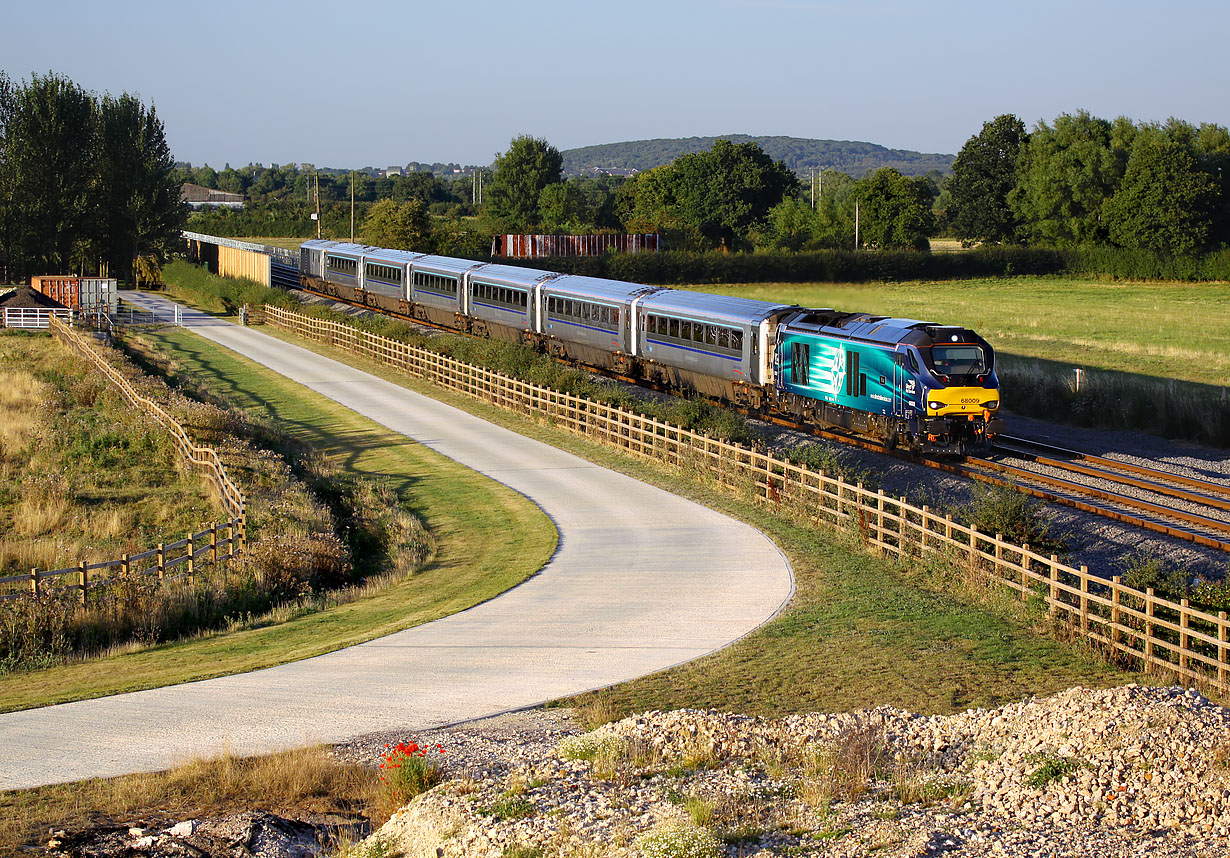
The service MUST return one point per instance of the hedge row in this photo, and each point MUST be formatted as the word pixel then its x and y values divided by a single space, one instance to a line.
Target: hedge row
pixel 673 267
pixel 841 266
pixel 1124 264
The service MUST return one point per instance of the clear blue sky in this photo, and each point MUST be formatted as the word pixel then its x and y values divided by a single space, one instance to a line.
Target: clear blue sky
pixel 372 82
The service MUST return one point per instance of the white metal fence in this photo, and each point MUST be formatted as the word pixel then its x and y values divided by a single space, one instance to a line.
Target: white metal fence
pixel 35 317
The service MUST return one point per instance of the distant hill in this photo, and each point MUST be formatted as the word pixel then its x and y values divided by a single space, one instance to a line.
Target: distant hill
pixel 799 154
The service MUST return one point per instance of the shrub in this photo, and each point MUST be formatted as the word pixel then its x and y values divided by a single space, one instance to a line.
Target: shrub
pixel 994 508
pixel 679 840
pixel 1144 568
pixel 509 807
pixel 1052 769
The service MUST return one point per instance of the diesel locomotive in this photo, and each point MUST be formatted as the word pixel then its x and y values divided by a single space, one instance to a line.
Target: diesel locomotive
pixel 916 384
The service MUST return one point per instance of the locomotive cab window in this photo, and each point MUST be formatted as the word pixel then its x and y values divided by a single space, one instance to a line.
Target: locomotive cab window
pixel 958 359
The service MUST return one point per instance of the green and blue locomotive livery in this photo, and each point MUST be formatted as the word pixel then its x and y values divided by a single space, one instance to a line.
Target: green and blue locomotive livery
pixel 925 386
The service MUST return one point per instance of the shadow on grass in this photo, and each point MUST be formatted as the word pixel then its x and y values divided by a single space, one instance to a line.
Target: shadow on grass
pixel 1108 399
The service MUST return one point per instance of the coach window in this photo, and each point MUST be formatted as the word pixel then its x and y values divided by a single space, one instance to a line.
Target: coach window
pixel 736 341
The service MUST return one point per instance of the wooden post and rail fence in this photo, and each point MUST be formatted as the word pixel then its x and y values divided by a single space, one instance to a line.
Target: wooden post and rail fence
pixel 1157 633
pixel 215 543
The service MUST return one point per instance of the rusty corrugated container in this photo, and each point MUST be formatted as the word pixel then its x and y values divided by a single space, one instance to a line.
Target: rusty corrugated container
pixel 64 288
pixel 516 246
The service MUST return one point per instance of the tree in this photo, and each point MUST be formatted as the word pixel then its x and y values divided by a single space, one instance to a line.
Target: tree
pixel 139 195
pixel 794 225
pixel 561 207
pixel 895 211
pixel 1065 175
pixel 231 181
pixel 48 167
pixel 521 173
pixel 1165 201
pixel 401 226
pixel 727 189
pixel 983 174
pixel 706 198
pixel 206 177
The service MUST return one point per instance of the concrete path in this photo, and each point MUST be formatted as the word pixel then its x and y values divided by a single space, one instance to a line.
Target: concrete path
pixel 642 580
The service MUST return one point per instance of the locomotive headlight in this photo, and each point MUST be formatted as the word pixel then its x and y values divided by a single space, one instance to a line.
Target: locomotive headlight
pixel 935 406
pixel 991 405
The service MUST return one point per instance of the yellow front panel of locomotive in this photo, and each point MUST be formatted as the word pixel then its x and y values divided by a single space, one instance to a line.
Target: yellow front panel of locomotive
pixel 961 400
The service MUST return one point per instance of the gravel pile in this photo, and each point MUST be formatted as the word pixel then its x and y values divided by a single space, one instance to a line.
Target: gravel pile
pixel 1126 771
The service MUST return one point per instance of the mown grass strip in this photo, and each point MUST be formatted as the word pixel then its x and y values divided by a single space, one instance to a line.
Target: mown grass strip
pixel 861 630
pixel 488 538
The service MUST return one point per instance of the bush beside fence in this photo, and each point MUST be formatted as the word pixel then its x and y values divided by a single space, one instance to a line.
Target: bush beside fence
pixel 1157 633
pixel 208 543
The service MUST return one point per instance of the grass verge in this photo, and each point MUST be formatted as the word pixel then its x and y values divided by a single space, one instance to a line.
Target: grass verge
pixel 296 783
pixel 488 538
pixel 83 476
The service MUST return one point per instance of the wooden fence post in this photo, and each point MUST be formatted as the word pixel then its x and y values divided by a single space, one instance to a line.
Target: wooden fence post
pixel 1185 620
pixel 1085 599
pixel 1148 627
pixel 922 534
pixel 191 560
pixel 84 580
pixel 1054 583
pixel 901 526
pixel 230 538
pixel 1116 594
pixel 880 549
pixel 243 529
pixel 213 545
pixel 1223 652
pixel 162 562
pixel 125 565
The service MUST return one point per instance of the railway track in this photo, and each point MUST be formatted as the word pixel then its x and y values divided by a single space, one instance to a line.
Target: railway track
pixel 1182 507
pixel 1161 501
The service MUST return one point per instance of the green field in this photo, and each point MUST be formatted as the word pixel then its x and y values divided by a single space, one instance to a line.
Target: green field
pixel 488 538
pixel 1164 330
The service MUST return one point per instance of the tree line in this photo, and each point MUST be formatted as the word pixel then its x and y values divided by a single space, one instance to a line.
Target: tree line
pixel 1079 182
pixel 86 181
pixel 1083 181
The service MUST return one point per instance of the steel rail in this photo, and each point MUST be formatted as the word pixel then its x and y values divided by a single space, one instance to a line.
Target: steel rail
pixel 1068 490
pixel 1109 474
pixel 1115 464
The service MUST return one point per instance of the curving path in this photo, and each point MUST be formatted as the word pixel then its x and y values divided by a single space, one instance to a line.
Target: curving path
pixel 642 580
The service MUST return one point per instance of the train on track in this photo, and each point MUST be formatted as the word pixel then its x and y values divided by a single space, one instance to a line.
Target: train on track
pixel 918 385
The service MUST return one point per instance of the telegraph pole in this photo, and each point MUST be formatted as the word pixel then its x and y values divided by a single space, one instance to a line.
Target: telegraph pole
pixel 352 206
pixel 856 224
pixel 318 206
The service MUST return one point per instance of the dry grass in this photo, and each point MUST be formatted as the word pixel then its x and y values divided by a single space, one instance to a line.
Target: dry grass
pixel 302 781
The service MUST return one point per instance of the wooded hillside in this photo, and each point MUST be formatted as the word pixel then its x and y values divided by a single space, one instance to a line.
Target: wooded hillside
pixel 798 153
